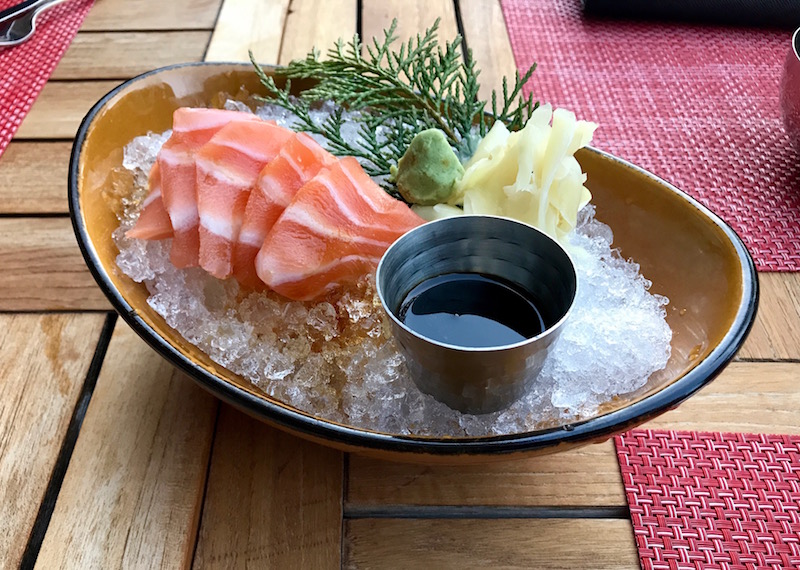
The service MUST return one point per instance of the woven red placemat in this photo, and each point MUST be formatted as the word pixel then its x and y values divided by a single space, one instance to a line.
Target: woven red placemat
pixel 712 500
pixel 26 67
pixel 696 105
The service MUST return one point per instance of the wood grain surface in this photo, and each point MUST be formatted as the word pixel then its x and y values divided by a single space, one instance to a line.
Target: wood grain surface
pixel 776 332
pixel 144 15
pixel 43 269
pixel 553 544
pixel 136 479
pixel 413 17
pixel 316 24
pixel 44 360
pixel 273 500
pixel 586 477
pixel 248 25
pixel 60 108
pixel 122 55
pixel 33 178
pixel 750 397
pixel 491 51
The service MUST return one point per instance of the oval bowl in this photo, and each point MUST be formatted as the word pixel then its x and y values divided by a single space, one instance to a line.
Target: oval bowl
pixel 689 254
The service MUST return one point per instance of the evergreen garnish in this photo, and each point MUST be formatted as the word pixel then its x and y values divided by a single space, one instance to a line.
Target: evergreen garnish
pixel 417 87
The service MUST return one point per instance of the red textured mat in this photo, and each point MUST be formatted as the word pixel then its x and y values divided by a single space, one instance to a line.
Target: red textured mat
pixel 696 105
pixel 712 500
pixel 25 68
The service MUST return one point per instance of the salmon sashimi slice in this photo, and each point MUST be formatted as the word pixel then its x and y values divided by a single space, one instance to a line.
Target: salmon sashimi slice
pixel 300 159
pixel 191 129
pixel 335 230
pixel 153 222
pixel 228 166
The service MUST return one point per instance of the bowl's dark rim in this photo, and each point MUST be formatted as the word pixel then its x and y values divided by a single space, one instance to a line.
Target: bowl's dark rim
pixel 596 428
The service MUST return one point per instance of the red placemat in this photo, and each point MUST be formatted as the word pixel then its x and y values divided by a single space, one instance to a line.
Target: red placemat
pixel 712 500
pixel 26 67
pixel 696 105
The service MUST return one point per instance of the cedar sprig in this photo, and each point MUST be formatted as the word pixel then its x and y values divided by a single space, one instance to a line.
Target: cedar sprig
pixel 400 92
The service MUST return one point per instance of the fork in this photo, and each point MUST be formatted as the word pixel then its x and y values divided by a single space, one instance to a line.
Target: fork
pixel 18 23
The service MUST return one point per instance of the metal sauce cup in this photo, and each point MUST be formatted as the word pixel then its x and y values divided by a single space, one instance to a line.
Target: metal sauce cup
pixel 790 91
pixel 478 380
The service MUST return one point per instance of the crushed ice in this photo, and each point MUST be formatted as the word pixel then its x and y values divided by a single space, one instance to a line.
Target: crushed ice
pixel 336 359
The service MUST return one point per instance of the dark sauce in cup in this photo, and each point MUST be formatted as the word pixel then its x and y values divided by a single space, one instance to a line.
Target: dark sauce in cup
pixel 471 310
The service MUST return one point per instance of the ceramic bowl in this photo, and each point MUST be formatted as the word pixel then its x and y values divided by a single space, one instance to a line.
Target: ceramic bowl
pixel 690 255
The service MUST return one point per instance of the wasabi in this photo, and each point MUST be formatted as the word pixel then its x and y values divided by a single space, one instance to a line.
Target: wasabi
pixel 429 170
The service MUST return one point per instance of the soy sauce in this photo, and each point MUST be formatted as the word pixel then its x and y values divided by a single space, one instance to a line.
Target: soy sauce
pixel 472 310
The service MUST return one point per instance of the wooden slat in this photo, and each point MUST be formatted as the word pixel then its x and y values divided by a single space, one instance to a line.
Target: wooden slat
pixel 43 363
pixel 750 397
pixel 585 477
pixel 413 17
pixel 248 25
pixel 316 23
pixel 540 543
pixel 776 332
pixel 108 15
pixel 60 108
pixel 486 35
pixel 273 501
pixel 43 268
pixel 121 55
pixel 755 397
pixel 132 494
pixel 33 178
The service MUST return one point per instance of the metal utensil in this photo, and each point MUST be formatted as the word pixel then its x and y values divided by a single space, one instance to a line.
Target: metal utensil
pixel 18 23
pixel 790 91
pixel 487 379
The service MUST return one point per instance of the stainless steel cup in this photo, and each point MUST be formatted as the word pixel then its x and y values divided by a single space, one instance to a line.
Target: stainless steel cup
pixel 478 380
pixel 790 91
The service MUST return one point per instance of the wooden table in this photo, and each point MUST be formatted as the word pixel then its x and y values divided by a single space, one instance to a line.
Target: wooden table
pixel 109 457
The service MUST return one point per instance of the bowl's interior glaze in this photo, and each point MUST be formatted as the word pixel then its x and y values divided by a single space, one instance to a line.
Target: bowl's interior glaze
pixel 688 260
pixel 691 258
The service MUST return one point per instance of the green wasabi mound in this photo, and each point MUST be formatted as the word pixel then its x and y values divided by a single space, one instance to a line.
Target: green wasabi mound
pixel 429 170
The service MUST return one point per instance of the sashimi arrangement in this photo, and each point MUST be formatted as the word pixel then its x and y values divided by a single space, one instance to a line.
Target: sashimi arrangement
pixel 244 197
pixel 260 225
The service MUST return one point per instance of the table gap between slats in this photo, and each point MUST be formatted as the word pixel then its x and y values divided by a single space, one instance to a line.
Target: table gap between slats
pixel 48 503
pixel 138 469
pixel 482 512
pixel 48 364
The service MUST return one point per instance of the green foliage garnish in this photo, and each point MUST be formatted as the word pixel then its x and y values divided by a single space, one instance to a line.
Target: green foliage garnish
pixel 418 87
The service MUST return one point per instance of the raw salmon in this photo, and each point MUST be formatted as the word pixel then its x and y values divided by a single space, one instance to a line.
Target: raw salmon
pixel 335 230
pixel 192 128
pixel 153 222
pixel 228 166
pixel 298 161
